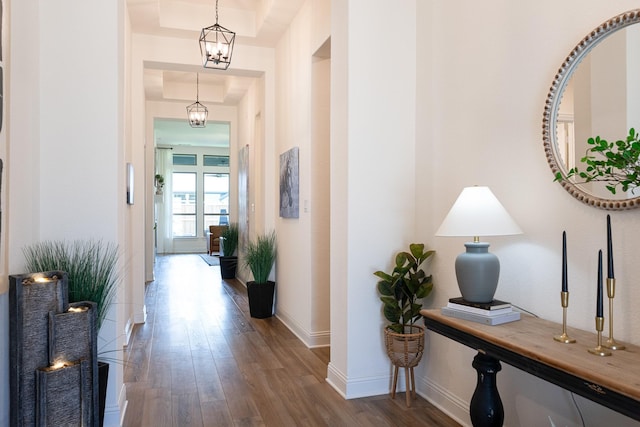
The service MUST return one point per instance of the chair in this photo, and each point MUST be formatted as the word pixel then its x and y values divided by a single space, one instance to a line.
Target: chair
pixel 213 243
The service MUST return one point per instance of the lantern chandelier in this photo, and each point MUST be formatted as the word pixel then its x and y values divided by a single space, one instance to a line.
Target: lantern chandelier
pixel 196 112
pixel 216 45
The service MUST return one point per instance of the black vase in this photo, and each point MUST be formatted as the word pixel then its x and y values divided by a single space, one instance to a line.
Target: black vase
pixel 261 299
pixel 228 265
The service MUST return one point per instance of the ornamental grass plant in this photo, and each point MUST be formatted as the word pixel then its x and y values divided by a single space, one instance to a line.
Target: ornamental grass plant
pixel 260 255
pixel 90 266
pixel 230 239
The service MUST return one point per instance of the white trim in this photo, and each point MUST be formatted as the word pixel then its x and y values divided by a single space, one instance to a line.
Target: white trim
pixel 450 404
pixel 140 317
pixel 128 329
pixel 360 387
pixel 441 398
pixel 309 338
pixel 114 414
pixel 123 403
pixel 336 380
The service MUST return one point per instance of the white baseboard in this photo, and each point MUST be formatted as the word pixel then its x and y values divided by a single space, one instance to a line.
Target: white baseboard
pixel 336 380
pixel 128 329
pixel 309 338
pixel 137 318
pixel 452 405
pixel 123 403
pixel 113 416
pixel 140 317
pixel 359 387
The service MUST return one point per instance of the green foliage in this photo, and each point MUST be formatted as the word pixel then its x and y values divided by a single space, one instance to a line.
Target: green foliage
pixel 614 163
pixel 401 289
pixel 260 256
pixel 159 183
pixel 90 266
pixel 230 236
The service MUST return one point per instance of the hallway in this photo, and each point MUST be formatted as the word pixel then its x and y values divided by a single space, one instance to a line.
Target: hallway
pixel 200 360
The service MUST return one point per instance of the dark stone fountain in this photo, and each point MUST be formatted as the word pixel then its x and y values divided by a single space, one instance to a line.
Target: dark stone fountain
pixel 53 353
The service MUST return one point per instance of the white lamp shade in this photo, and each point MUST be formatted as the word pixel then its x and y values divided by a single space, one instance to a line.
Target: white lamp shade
pixel 477 212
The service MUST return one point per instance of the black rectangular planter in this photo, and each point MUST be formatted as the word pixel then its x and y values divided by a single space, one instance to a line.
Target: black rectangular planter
pixel 261 299
pixel 228 265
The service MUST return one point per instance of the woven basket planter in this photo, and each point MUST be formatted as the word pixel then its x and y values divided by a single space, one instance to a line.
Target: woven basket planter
pixel 405 350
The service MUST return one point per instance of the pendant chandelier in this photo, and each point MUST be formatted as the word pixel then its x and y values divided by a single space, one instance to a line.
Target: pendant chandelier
pixel 216 45
pixel 196 112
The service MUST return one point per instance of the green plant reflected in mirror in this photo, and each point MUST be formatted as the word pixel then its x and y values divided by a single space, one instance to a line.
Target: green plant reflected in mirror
pixel 614 164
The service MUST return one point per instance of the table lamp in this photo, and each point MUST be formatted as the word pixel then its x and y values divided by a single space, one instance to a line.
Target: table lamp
pixel 477 212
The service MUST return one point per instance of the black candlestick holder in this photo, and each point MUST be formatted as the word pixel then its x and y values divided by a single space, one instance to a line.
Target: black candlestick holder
pixel 611 343
pixel 599 350
pixel 564 338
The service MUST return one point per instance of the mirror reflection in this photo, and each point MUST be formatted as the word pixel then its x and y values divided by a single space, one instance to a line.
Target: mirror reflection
pixel 601 98
pixel 596 93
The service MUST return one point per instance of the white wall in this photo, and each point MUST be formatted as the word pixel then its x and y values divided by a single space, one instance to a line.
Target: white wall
pixel 487 68
pixel 251 133
pixel 303 249
pixel 319 203
pixel 373 204
pixel 65 166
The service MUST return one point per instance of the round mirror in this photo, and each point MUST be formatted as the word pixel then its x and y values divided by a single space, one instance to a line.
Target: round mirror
pixel 596 92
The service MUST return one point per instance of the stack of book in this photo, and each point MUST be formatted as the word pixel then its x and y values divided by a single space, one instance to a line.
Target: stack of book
pixel 495 312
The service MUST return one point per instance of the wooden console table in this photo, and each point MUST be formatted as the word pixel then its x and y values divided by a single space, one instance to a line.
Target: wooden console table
pixel 528 344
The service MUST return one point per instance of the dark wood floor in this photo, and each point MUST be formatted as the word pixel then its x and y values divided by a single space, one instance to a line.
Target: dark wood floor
pixel 201 360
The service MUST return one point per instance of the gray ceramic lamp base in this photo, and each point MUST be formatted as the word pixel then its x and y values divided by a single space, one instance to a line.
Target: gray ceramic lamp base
pixel 477 271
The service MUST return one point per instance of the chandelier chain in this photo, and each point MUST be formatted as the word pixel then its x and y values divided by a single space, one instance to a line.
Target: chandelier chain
pixel 216 11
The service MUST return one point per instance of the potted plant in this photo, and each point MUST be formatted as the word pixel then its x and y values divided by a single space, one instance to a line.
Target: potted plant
pixel 260 256
pixel 229 246
pixel 399 292
pixel 617 164
pixel 159 184
pixel 91 273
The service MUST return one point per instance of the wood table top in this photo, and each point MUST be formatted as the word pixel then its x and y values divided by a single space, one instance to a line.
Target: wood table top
pixel 532 338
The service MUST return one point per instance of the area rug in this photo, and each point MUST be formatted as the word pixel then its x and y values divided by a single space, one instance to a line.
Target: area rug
pixel 211 260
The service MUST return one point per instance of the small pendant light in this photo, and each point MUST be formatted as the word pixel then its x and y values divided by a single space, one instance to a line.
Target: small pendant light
pixel 196 112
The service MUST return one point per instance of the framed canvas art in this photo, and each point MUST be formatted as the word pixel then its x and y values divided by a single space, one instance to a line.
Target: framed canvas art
pixel 289 184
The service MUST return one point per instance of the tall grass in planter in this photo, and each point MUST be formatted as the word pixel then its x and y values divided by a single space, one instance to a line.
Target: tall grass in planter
pixel 90 266
pixel 92 276
pixel 229 245
pixel 260 255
